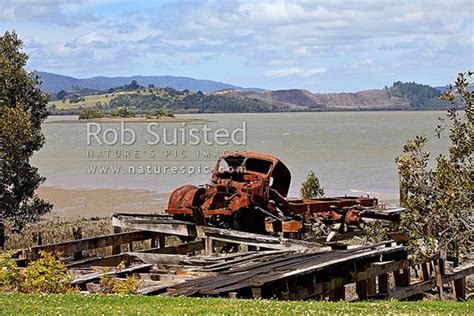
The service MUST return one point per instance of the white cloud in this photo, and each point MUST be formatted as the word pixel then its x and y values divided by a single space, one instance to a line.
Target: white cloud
pixel 279 39
pixel 39 11
pixel 295 72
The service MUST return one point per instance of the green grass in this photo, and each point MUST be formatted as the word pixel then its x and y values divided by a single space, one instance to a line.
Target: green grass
pixel 91 100
pixel 76 304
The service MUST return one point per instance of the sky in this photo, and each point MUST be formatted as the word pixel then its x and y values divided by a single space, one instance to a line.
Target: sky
pixel 321 46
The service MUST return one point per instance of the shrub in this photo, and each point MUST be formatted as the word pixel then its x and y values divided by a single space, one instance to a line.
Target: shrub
pixel 110 285
pixel 91 114
pixel 48 274
pixel 311 188
pixel 10 276
pixel 124 113
pixel 439 200
pixel 157 113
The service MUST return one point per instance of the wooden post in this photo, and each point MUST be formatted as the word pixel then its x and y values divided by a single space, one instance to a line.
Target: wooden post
pixel 439 280
pixel 208 246
pixel 403 278
pixel 2 236
pixel 116 248
pixel 371 286
pixel 337 294
pixel 162 240
pixel 361 290
pixel 426 273
pixel 153 243
pixel 77 233
pixel 383 283
pixel 38 238
pixel 460 289
pixel 256 292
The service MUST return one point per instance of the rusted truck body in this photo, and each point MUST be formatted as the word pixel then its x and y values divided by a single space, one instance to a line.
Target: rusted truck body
pixel 249 190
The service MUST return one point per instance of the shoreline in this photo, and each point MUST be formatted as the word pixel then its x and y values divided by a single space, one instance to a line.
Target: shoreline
pixel 71 203
pixel 88 203
pixel 130 120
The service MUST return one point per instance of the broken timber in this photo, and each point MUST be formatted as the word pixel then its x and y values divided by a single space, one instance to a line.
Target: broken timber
pixel 283 268
pixel 166 225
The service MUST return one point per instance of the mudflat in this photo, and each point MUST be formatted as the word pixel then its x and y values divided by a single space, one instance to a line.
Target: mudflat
pixel 87 203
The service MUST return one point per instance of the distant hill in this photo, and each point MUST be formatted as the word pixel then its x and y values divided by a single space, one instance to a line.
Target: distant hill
pixel 141 100
pixel 53 83
pixel 143 93
pixel 400 96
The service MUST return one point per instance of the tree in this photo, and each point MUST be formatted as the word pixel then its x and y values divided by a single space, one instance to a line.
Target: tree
pixel 439 201
pixel 61 95
pixel 311 188
pixel 22 110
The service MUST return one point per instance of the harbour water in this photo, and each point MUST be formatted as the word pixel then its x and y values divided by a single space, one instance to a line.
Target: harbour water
pixel 351 152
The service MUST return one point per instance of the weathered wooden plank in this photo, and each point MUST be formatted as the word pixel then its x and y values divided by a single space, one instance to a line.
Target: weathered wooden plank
pixel 88 243
pixel 179 228
pixel 184 248
pixel 264 241
pixel 277 270
pixel 154 289
pixel 116 248
pixel 338 236
pixel 97 275
pixel 420 287
pixel 380 268
pixel 460 289
pixel 341 259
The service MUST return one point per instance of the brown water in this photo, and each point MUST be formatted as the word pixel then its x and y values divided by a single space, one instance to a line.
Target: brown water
pixel 351 152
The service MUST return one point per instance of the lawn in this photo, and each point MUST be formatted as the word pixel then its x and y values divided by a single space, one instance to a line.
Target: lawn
pixel 76 304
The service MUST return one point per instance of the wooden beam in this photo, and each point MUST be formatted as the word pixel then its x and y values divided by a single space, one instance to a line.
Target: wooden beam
pixel 259 240
pixel 420 287
pixel 361 290
pixel 460 289
pixel 378 268
pixel 77 233
pixel 319 266
pixel 116 249
pixel 164 226
pixel 181 249
pixel 438 278
pixel 88 243
pixel 337 294
pixel 182 228
pixel 256 292
pixel 97 275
